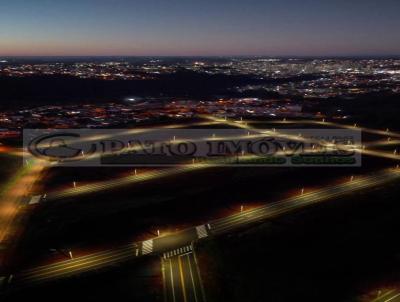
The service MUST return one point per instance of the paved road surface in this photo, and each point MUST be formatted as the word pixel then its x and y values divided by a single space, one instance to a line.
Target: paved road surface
pixel 181 276
pixel 390 296
pixel 157 246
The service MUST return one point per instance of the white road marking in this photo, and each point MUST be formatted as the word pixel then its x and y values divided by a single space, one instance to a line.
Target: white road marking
pixel 392 298
pixel 147 247
pixel 201 231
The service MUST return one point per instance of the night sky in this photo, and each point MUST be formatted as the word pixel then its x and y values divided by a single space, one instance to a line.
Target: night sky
pixel 201 27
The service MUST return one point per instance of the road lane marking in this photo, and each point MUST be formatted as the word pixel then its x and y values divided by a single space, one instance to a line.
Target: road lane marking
pixel 111 258
pixel 392 298
pixel 67 268
pixel 147 247
pixel 191 276
pixel 119 251
pixel 201 231
pixel 182 279
pixel 262 215
pixel 164 278
pixel 172 280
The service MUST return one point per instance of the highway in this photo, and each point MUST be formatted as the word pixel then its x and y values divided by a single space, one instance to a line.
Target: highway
pixel 389 296
pixel 14 192
pixel 278 208
pixel 181 276
pixel 147 176
pixel 79 265
pixel 180 272
pixel 163 244
pixel 358 149
pixel 385 132
pixel 119 182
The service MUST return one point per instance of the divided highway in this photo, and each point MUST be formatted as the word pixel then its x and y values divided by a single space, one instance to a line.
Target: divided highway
pixel 161 245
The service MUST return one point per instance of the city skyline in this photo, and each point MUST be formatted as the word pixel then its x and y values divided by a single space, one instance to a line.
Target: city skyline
pixel 207 28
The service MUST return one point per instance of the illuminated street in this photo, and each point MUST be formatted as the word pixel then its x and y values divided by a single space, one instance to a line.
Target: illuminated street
pixel 161 245
pixel 199 151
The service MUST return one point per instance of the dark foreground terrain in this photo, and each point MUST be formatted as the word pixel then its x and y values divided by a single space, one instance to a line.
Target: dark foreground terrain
pixel 335 252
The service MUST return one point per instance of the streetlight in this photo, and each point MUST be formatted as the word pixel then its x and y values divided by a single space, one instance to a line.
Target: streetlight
pixel 70 255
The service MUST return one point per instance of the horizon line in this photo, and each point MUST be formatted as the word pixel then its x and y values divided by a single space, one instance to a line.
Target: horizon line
pixel 206 56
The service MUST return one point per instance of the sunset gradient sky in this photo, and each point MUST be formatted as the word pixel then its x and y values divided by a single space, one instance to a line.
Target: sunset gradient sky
pixel 202 27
